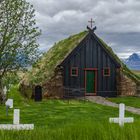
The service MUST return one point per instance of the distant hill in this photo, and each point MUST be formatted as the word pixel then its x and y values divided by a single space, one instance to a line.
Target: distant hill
pixel 133 61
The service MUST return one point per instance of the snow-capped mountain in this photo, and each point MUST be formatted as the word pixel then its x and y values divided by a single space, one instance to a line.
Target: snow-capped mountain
pixel 133 62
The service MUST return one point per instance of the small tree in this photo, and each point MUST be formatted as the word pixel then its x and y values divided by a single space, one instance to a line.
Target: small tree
pixel 18 37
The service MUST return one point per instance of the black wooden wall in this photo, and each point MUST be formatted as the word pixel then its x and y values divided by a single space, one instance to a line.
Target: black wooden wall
pixel 90 53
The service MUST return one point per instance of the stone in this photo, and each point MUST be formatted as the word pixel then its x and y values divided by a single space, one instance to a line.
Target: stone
pixel 126 86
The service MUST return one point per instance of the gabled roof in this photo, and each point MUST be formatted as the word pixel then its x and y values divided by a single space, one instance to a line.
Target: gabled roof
pixel 107 49
pixel 44 69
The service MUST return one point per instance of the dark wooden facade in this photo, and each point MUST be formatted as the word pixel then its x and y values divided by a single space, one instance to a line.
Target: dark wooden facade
pixel 93 67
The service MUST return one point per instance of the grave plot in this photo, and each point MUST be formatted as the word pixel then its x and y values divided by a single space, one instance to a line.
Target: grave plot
pixel 121 119
pixel 16 119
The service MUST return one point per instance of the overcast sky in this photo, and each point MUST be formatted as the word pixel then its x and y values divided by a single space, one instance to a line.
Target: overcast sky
pixel 117 21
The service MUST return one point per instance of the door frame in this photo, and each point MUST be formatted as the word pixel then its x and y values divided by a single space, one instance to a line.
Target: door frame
pixel 95 84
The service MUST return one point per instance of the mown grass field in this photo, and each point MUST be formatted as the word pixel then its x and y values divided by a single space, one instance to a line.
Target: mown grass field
pixel 67 120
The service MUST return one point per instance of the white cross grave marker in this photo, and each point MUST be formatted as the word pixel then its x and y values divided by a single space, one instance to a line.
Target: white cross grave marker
pixel 16 123
pixel 16 118
pixel 5 90
pixel 121 120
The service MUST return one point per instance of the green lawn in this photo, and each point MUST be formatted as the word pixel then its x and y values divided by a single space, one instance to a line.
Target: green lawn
pixel 63 120
pixel 129 101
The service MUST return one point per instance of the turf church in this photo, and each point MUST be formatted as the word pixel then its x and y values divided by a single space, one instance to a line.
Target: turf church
pixel 84 65
pixel 92 69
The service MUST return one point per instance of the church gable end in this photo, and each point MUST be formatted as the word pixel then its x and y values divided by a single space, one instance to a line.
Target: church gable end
pixel 91 56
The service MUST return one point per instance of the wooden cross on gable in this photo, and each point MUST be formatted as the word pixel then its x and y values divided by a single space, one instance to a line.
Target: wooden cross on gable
pixel 91 22
pixel 91 25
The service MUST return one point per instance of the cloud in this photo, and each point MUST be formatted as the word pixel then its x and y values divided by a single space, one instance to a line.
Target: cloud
pixel 117 21
pixel 123 43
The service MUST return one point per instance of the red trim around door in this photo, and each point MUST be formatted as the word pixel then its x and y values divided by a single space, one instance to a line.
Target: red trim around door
pixel 95 84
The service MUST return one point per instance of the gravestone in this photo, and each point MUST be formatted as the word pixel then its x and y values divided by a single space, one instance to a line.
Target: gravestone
pixel 121 119
pixel 38 93
pixel 16 123
pixel 4 94
pixel 5 90
pixel 9 104
pixel 16 118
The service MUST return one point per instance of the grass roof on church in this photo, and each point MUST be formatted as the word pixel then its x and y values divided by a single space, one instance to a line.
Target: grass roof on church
pixel 44 68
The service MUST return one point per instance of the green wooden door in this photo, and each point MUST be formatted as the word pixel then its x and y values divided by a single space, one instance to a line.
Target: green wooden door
pixel 90 82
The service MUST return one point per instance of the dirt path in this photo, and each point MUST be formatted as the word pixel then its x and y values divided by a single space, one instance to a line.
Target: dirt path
pixel 103 101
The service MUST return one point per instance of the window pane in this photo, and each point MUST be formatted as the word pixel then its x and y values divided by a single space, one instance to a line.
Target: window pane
pixel 74 71
pixel 106 72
